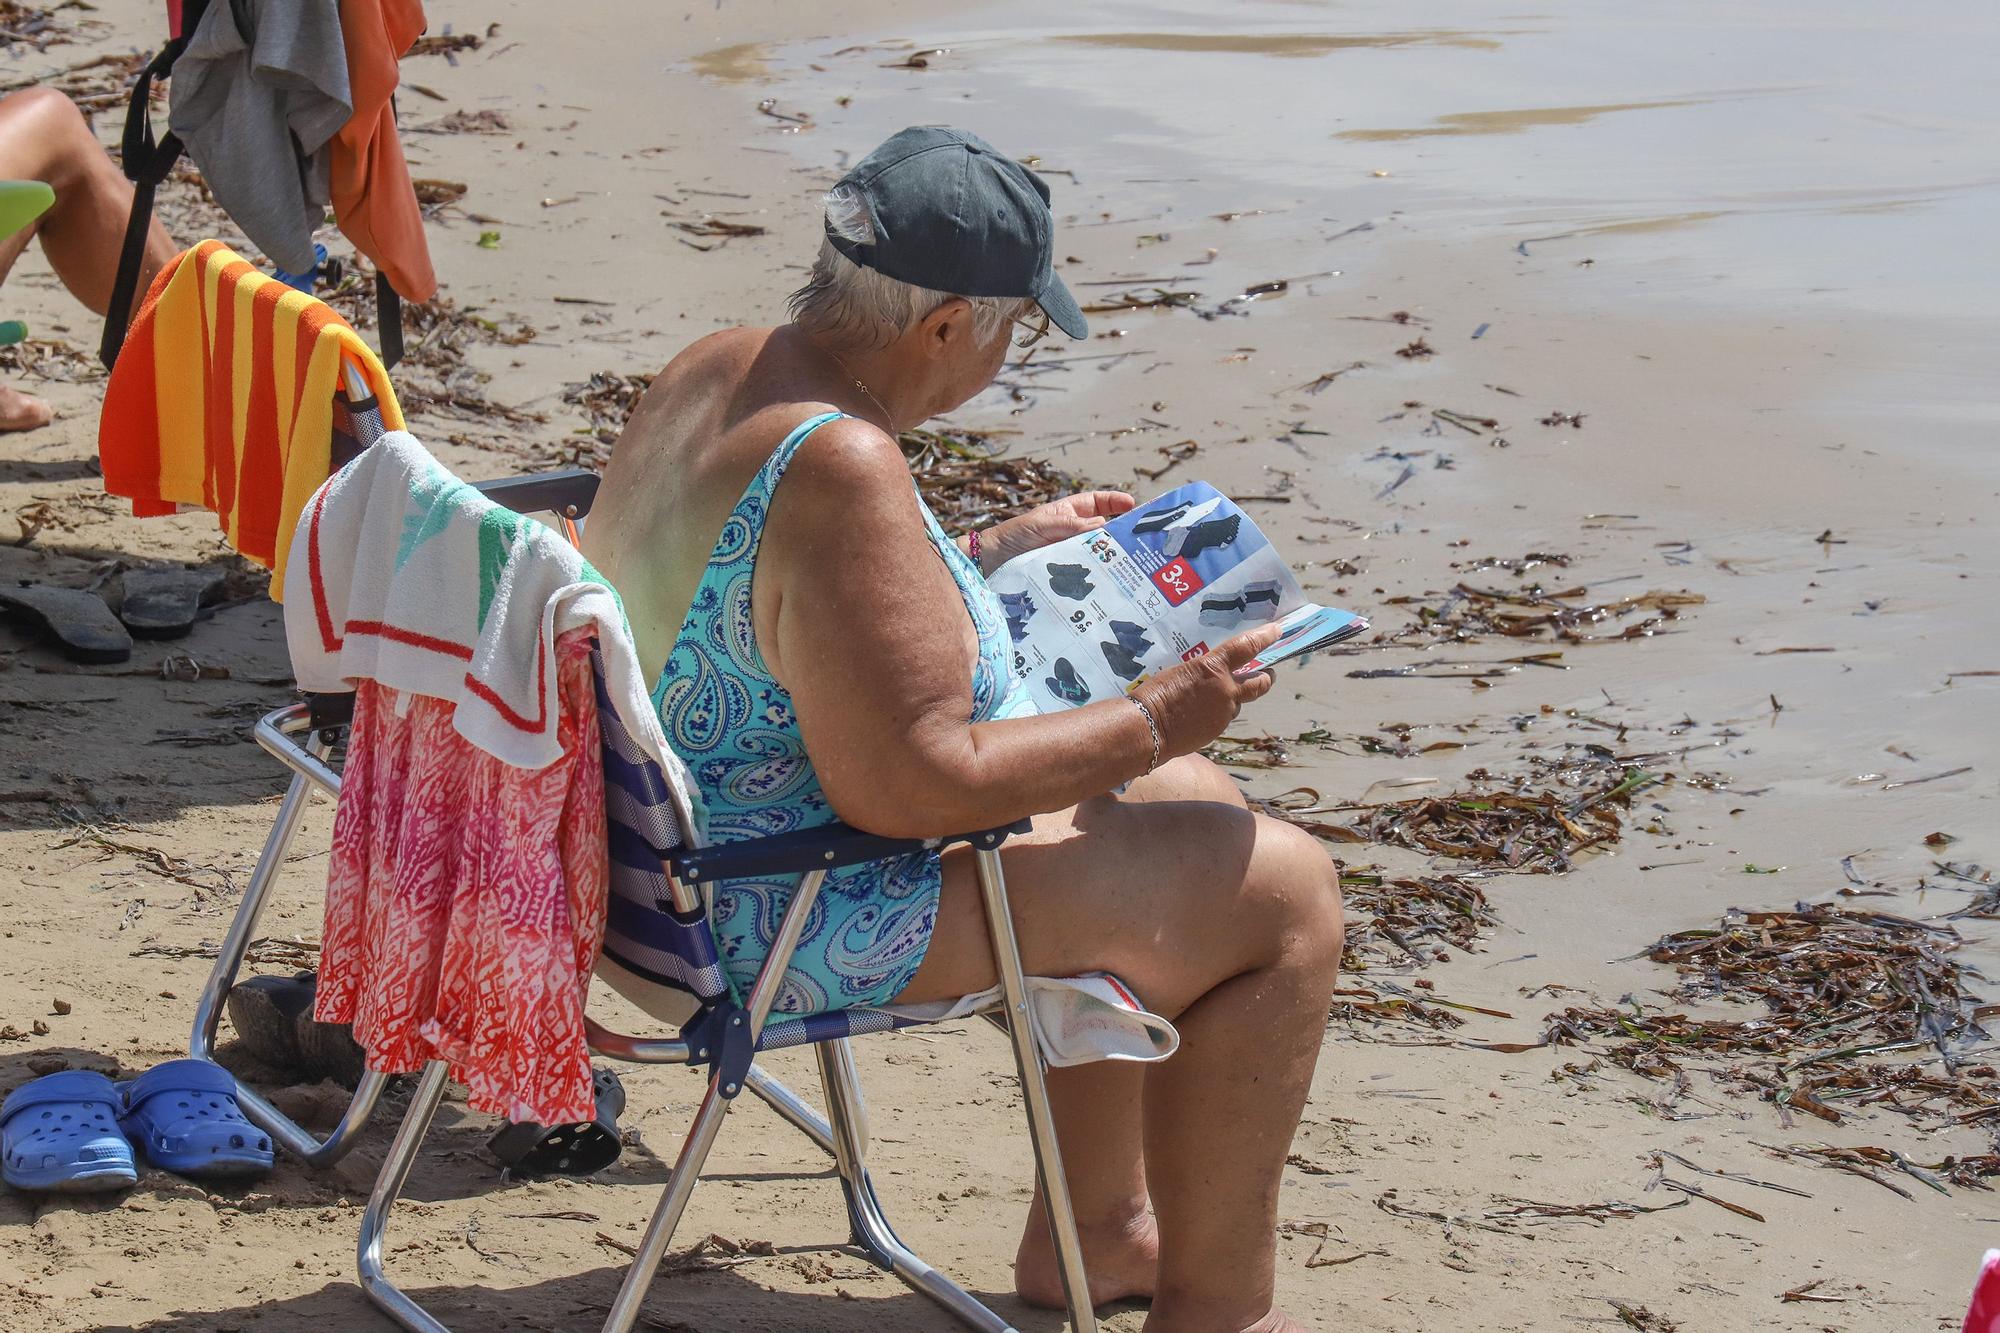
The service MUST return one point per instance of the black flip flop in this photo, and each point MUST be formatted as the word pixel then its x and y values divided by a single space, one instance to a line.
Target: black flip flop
pixel 165 603
pixel 273 1017
pixel 529 1150
pixel 265 1011
pixel 81 624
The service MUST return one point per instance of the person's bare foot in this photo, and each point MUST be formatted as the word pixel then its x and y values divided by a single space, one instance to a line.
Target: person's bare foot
pixel 1122 1261
pixel 20 412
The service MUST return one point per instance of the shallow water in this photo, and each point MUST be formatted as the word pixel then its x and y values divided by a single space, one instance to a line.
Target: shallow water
pixel 1823 161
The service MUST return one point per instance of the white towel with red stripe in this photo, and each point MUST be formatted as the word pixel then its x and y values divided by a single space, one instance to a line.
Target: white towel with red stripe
pixel 1077 1020
pixel 401 573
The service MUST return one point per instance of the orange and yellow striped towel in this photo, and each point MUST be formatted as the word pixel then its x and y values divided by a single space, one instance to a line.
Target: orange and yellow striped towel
pixel 223 398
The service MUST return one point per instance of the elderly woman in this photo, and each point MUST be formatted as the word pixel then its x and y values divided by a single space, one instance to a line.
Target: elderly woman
pixel 827 652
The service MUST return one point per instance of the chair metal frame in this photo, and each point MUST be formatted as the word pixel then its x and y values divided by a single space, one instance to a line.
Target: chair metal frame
pixel 842 1133
pixel 301 736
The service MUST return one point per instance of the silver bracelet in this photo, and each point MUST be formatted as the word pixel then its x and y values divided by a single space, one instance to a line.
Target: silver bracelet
pixel 1151 726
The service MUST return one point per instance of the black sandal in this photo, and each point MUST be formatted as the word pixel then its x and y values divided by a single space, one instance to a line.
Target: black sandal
pixel 530 1151
pixel 80 623
pixel 165 603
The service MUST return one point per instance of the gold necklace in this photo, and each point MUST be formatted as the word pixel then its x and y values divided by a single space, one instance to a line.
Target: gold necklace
pixel 887 416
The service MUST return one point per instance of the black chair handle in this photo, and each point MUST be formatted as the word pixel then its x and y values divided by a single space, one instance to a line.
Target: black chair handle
pixel 146 162
pixel 569 492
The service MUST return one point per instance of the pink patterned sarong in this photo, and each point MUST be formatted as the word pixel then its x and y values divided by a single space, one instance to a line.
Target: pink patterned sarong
pixel 465 902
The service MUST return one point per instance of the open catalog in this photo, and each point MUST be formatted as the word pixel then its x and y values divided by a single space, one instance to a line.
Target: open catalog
pixel 1092 616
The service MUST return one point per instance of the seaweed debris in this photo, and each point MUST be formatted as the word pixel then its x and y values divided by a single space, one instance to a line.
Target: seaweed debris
pixel 1466 614
pixel 446 44
pixel 434 376
pixel 1837 987
pixel 606 401
pixel 50 359
pixel 968 480
pixel 30 24
pixel 1407 918
pixel 1532 823
pixel 964 475
pixel 1156 298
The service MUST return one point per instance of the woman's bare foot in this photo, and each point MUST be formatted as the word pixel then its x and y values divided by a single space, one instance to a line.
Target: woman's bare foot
pixel 1122 1261
pixel 20 412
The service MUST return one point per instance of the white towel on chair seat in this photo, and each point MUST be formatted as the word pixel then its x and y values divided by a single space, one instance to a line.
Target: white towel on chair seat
pixel 401 573
pixel 1077 1020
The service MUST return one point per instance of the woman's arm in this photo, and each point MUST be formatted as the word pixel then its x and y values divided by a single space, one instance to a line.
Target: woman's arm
pixel 861 621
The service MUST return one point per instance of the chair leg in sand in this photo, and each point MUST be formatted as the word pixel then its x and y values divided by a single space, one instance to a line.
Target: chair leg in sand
pixel 842 1132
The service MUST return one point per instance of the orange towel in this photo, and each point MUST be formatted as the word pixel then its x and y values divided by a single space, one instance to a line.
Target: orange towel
pixel 373 199
pixel 223 398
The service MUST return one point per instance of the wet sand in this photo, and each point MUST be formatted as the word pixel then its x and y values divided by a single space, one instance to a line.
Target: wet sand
pixel 1746 246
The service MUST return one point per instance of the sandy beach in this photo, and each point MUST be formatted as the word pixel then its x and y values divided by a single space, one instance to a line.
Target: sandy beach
pixel 1672 335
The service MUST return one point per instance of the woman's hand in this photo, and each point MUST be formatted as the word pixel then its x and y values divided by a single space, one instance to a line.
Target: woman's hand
pixel 1195 702
pixel 1047 524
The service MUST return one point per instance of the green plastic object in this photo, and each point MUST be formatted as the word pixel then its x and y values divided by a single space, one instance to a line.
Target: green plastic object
pixel 21 202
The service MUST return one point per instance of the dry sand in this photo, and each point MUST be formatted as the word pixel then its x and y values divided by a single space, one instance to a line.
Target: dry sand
pixel 1785 384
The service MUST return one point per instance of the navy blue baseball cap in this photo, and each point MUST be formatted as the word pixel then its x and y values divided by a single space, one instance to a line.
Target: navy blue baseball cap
pixel 954 214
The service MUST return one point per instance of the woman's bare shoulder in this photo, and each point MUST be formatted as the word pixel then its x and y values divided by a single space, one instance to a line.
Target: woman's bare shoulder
pixel 849 473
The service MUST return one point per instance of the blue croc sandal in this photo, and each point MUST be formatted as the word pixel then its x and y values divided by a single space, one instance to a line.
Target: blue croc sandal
pixel 60 1135
pixel 184 1117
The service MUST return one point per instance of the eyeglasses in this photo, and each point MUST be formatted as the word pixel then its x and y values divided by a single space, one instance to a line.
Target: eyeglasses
pixel 1037 329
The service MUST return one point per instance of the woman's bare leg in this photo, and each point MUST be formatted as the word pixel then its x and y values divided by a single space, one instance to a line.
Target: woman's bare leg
pixel 1229 923
pixel 1100 1126
pixel 44 137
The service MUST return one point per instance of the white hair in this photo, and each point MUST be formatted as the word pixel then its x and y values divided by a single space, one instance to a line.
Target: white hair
pixel 856 306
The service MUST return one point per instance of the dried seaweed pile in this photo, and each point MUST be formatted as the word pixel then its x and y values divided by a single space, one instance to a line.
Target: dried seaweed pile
pixel 49 359
pixel 1533 823
pixel 1396 740
pixel 968 480
pixel 1410 918
pixel 1836 987
pixel 1467 614
pixel 605 400
pixel 434 375
pixel 30 24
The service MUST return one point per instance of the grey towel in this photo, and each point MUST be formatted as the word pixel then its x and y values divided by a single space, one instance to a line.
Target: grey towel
pixel 261 87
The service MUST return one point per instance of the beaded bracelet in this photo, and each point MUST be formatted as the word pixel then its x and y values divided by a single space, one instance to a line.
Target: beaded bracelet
pixel 972 548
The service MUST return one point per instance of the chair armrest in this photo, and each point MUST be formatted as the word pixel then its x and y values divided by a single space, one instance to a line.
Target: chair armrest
pixel 557 492
pixel 826 847
pixel 330 710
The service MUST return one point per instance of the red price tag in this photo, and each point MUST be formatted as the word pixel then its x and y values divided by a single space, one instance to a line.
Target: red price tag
pixel 1199 650
pixel 1177 581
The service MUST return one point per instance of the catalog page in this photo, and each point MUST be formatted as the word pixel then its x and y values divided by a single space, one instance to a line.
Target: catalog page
pixel 1093 616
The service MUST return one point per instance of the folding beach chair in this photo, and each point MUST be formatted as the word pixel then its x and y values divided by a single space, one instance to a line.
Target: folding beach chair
pixel 659 952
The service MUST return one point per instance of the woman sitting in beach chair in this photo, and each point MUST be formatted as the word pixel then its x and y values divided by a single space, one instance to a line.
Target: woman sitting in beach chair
pixel 826 651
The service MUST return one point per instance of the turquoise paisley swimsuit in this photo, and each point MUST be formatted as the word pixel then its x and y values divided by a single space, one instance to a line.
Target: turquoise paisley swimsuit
pixel 734 725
